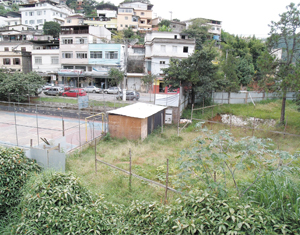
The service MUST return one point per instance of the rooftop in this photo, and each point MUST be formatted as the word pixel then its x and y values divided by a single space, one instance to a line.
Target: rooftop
pixel 138 110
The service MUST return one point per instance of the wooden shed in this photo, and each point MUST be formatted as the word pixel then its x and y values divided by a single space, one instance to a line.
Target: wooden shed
pixel 135 121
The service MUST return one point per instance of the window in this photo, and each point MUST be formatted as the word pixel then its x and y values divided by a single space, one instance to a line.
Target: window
pixel 67 55
pixel 44 12
pixel 26 21
pixel 96 54
pixel 6 61
pixel 38 60
pixel 90 68
pixel 83 68
pixel 39 21
pixel 67 41
pixel 81 40
pixel 31 13
pixel 23 49
pixel 111 55
pixel 81 55
pixel 142 22
pixel 185 49
pixel 175 36
pixel 68 67
pixel 69 21
pixel 174 49
pixel 126 25
pixel 8 23
pixel 16 61
pixel 162 62
pixel 31 21
pixel 54 60
pixel 25 13
pixel 16 23
pixel 39 13
pixel 126 17
pixel 142 13
pixel 121 25
pixel 6 48
pixel 163 48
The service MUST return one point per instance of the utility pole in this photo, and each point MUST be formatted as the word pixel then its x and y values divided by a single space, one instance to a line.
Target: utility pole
pixel 125 69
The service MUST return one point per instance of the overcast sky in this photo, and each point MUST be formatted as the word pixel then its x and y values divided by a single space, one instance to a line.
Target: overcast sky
pixel 238 16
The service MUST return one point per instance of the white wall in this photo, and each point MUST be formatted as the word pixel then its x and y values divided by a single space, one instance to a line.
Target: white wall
pixel 46 65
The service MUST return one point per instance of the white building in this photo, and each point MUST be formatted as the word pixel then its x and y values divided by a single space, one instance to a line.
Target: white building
pixel 215 29
pixel 36 14
pixel 160 47
pixel 45 58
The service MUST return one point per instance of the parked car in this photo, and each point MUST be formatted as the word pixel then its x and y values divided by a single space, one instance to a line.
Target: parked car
pixel 54 91
pixel 93 89
pixel 65 87
pixel 130 95
pixel 74 92
pixel 113 90
pixel 47 86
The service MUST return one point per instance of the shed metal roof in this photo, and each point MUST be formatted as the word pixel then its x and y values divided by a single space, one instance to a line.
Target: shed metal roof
pixel 138 110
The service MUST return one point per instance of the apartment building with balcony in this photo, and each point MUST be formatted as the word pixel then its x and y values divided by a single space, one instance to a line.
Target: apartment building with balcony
pixel 86 55
pixel 106 17
pixel 45 58
pixel 160 47
pixel 136 15
pixel 36 14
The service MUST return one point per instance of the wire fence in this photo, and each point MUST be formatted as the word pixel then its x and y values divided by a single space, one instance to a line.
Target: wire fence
pixel 21 122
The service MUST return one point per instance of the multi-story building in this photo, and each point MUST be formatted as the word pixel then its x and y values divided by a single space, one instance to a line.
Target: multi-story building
pixel 45 58
pixel 76 19
pixel 16 61
pixel 136 15
pixel 106 17
pixel 36 14
pixel 86 57
pixel 160 47
pixel 215 29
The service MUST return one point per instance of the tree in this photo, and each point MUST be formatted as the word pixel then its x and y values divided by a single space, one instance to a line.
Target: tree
pixel 116 75
pixel 164 29
pixel 52 28
pixel 196 73
pixel 284 73
pixel 229 67
pixel 17 86
pixel 89 7
pixel 198 30
pixel 164 22
pixel 148 80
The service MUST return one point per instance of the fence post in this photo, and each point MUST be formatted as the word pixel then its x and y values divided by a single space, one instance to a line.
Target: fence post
pixel 228 97
pixel 253 127
pixel 162 122
pixel 37 124
pixel 79 132
pixel 30 143
pixel 285 126
pixel 63 127
pixel 192 112
pixel 167 181
pixel 130 170
pixel 16 128
pixel 246 100
pixel 95 157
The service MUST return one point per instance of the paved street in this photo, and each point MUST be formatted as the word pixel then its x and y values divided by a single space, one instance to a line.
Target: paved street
pixel 144 97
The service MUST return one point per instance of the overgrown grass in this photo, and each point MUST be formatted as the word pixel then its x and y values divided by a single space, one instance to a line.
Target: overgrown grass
pixel 75 101
pixel 267 109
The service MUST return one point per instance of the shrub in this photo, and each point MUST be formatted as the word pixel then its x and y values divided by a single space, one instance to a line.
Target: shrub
pixel 15 168
pixel 56 203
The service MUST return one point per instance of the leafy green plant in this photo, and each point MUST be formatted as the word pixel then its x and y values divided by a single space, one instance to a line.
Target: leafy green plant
pixel 56 203
pixel 215 158
pixel 15 169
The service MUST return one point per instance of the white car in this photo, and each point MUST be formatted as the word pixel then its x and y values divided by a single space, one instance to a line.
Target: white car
pixel 93 89
pixel 113 90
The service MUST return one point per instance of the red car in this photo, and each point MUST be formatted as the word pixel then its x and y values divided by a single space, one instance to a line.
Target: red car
pixel 74 92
